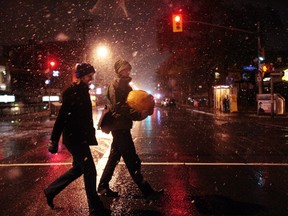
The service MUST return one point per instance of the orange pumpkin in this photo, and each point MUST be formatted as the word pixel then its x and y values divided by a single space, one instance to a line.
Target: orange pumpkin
pixel 141 101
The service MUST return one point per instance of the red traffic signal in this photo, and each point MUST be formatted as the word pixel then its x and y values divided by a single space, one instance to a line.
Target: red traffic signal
pixel 52 63
pixel 177 22
pixel 177 18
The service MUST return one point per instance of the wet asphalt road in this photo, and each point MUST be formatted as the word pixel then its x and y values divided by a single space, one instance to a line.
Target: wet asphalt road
pixel 207 164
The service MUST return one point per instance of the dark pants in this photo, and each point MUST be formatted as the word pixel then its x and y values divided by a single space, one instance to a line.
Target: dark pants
pixel 82 164
pixel 123 145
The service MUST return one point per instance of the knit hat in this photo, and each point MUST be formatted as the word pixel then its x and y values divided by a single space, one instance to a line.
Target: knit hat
pixel 84 69
pixel 121 65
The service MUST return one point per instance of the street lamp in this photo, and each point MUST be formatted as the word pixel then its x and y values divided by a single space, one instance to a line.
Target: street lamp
pixel 102 52
pixel 101 57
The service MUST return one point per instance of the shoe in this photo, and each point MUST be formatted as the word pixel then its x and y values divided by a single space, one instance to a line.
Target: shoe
pixel 107 192
pixel 100 212
pixel 49 199
pixel 154 195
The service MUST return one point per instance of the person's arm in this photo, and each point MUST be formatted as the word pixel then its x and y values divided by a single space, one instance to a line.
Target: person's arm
pixel 138 116
pixel 60 122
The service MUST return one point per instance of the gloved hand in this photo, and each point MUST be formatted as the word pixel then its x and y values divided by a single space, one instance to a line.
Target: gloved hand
pixel 144 114
pixel 53 147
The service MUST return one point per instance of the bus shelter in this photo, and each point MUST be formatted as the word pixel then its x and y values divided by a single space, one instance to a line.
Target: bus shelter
pixel 225 99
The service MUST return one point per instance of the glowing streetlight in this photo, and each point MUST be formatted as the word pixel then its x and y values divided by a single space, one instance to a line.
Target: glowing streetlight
pixel 102 51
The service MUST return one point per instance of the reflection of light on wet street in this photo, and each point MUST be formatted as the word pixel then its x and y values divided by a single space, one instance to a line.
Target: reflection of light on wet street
pixel 16 136
pixel 14 173
pixel 261 177
pixel 158 117
pixel 101 164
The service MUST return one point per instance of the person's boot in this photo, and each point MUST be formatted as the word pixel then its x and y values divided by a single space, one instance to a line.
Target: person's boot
pixel 149 193
pixel 49 199
pixel 107 192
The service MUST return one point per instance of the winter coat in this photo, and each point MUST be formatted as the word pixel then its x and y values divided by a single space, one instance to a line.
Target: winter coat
pixel 74 120
pixel 117 94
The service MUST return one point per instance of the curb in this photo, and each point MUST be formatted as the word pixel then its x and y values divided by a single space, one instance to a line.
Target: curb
pixel 211 111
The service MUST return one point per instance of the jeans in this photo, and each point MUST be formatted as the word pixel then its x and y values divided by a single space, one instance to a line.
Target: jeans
pixel 82 164
pixel 123 146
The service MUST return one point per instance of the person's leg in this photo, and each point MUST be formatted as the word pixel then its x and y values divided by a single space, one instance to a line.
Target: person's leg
pixel 89 170
pixel 132 161
pixel 113 160
pixel 62 182
pixel 133 164
pixel 83 158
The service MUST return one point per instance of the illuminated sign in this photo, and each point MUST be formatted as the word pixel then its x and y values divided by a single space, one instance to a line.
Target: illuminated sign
pixel 2 86
pixel 285 77
pixel 249 68
pixel 221 87
pixel 50 98
pixel 7 98
pixel 55 73
pixel 248 76
pixel 98 91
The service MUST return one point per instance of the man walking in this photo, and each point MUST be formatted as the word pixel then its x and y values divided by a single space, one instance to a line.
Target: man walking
pixel 75 123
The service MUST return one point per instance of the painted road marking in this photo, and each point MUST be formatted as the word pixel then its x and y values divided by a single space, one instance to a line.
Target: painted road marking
pixel 101 163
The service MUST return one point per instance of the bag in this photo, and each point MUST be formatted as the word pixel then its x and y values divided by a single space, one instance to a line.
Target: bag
pixel 105 122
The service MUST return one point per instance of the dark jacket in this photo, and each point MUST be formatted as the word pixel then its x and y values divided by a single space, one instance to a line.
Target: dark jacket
pixel 117 94
pixel 75 117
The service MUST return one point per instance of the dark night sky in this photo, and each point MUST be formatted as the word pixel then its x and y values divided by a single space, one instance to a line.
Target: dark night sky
pixel 51 19
pixel 57 20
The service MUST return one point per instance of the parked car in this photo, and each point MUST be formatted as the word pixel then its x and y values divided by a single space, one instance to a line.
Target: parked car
pixel 168 102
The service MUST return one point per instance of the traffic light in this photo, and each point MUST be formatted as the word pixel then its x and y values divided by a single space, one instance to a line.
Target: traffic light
pixel 177 22
pixel 266 68
pixel 52 64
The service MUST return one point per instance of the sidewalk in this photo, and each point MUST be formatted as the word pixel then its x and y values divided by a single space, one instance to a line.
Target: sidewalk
pixel 279 119
pixel 26 116
pixel 204 110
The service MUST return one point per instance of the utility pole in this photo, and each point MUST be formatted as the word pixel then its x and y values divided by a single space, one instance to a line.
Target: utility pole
pixel 83 29
pixel 259 76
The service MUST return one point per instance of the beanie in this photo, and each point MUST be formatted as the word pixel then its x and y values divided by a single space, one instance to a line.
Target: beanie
pixel 84 69
pixel 121 65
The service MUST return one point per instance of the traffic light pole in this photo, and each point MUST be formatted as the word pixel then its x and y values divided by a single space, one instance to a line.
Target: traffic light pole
pixel 83 28
pixel 259 75
pixel 272 96
pixel 49 90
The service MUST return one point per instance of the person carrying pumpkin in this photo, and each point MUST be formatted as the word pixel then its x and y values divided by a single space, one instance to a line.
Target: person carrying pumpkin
pixel 122 144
